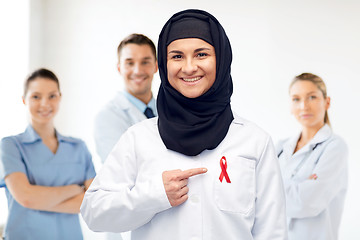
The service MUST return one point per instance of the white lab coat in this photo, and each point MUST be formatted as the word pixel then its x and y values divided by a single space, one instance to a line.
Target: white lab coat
pixel 112 121
pixel 314 207
pixel 128 193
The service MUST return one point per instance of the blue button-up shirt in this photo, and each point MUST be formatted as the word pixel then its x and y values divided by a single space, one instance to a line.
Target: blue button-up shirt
pixel 71 164
pixel 139 104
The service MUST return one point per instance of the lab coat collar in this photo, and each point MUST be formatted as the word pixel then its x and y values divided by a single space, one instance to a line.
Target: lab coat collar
pixel 322 135
pixel 121 101
pixel 237 119
pixel 290 145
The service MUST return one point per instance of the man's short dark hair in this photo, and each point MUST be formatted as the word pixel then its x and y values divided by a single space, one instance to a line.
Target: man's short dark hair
pixel 138 39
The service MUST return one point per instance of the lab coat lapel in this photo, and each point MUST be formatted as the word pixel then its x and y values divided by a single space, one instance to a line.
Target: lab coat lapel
pixel 321 136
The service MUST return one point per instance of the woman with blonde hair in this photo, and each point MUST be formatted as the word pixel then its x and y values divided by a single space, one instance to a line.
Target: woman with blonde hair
pixel 313 164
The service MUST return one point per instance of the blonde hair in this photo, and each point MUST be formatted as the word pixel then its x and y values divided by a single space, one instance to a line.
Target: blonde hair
pixel 319 83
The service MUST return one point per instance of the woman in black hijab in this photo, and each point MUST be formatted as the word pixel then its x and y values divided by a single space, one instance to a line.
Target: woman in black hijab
pixel 191 125
pixel 226 183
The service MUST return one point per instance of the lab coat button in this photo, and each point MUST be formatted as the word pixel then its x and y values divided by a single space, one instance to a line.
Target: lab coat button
pixel 195 199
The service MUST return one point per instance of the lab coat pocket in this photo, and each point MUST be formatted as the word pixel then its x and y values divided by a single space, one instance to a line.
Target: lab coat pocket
pixel 239 195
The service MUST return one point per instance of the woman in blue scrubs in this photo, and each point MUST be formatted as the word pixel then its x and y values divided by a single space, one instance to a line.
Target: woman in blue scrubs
pixel 313 165
pixel 46 174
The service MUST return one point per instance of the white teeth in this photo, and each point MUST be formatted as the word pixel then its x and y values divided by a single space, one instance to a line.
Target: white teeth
pixel 191 79
pixel 44 113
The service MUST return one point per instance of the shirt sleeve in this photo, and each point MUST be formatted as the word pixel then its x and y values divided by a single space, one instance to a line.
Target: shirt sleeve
pixel 310 197
pixel 116 201
pixel 11 160
pixel 270 213
pixel 108 128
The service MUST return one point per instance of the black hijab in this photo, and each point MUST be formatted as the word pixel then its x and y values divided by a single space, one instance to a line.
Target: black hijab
pixel 191 125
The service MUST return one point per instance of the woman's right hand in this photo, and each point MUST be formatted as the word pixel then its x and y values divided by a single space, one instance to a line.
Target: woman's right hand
pixel 175 183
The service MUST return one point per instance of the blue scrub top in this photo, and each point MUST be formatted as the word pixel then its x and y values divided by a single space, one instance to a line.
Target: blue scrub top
pixel 72 164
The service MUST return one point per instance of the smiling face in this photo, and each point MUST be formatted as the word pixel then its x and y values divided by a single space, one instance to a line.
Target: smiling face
pixel 308 104
pixel 42 100
pixel 137 65
pixel 191 66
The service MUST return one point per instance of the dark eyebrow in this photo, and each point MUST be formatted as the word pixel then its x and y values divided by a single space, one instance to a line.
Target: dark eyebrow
pixel 55 91
pixel 202 49
pixel 196 50
pixel 309 93
pixel 147 58
pixel 175 51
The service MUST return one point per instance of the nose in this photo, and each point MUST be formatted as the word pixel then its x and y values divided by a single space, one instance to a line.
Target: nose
pixel 189 67
pixel 44 102
pixel 304 104
pixel 137 68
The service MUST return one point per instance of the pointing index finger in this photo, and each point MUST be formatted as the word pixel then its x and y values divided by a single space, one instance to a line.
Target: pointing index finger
pixel 192 172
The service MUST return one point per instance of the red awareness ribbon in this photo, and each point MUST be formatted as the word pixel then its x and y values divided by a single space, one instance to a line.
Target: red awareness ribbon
pixel 223 165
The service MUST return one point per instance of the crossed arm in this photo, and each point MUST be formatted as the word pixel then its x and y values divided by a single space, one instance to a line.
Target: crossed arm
pixel 63 199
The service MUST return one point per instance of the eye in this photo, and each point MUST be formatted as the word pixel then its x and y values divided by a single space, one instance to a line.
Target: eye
pixel 145 62
pixel 202 54
pixel 129 64
pixel 35 97
pixel 177 56
pixel 52 96
pixel 295 99
pixel 312 97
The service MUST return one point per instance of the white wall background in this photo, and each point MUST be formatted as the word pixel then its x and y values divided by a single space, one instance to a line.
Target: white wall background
pixel 272 41
pixel 14 59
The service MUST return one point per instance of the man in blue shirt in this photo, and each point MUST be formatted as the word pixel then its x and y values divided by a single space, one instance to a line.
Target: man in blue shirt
pixel 137 65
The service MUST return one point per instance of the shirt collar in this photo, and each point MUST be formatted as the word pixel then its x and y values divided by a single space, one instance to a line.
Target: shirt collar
pixel 139 104
pixel 31 136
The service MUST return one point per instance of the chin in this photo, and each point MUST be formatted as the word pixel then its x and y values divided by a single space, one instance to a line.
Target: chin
pixel 191 94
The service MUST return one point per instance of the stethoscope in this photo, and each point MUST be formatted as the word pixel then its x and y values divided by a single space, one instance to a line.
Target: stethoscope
pixel 299 166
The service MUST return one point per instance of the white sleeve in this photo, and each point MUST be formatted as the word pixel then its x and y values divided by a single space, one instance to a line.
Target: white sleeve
pixel 310 197
pixel 270 216
pixel 116 201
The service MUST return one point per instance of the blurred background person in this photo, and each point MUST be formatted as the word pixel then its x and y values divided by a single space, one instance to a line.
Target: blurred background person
pixel 137 65
pixel 313 164
pixel 46 174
